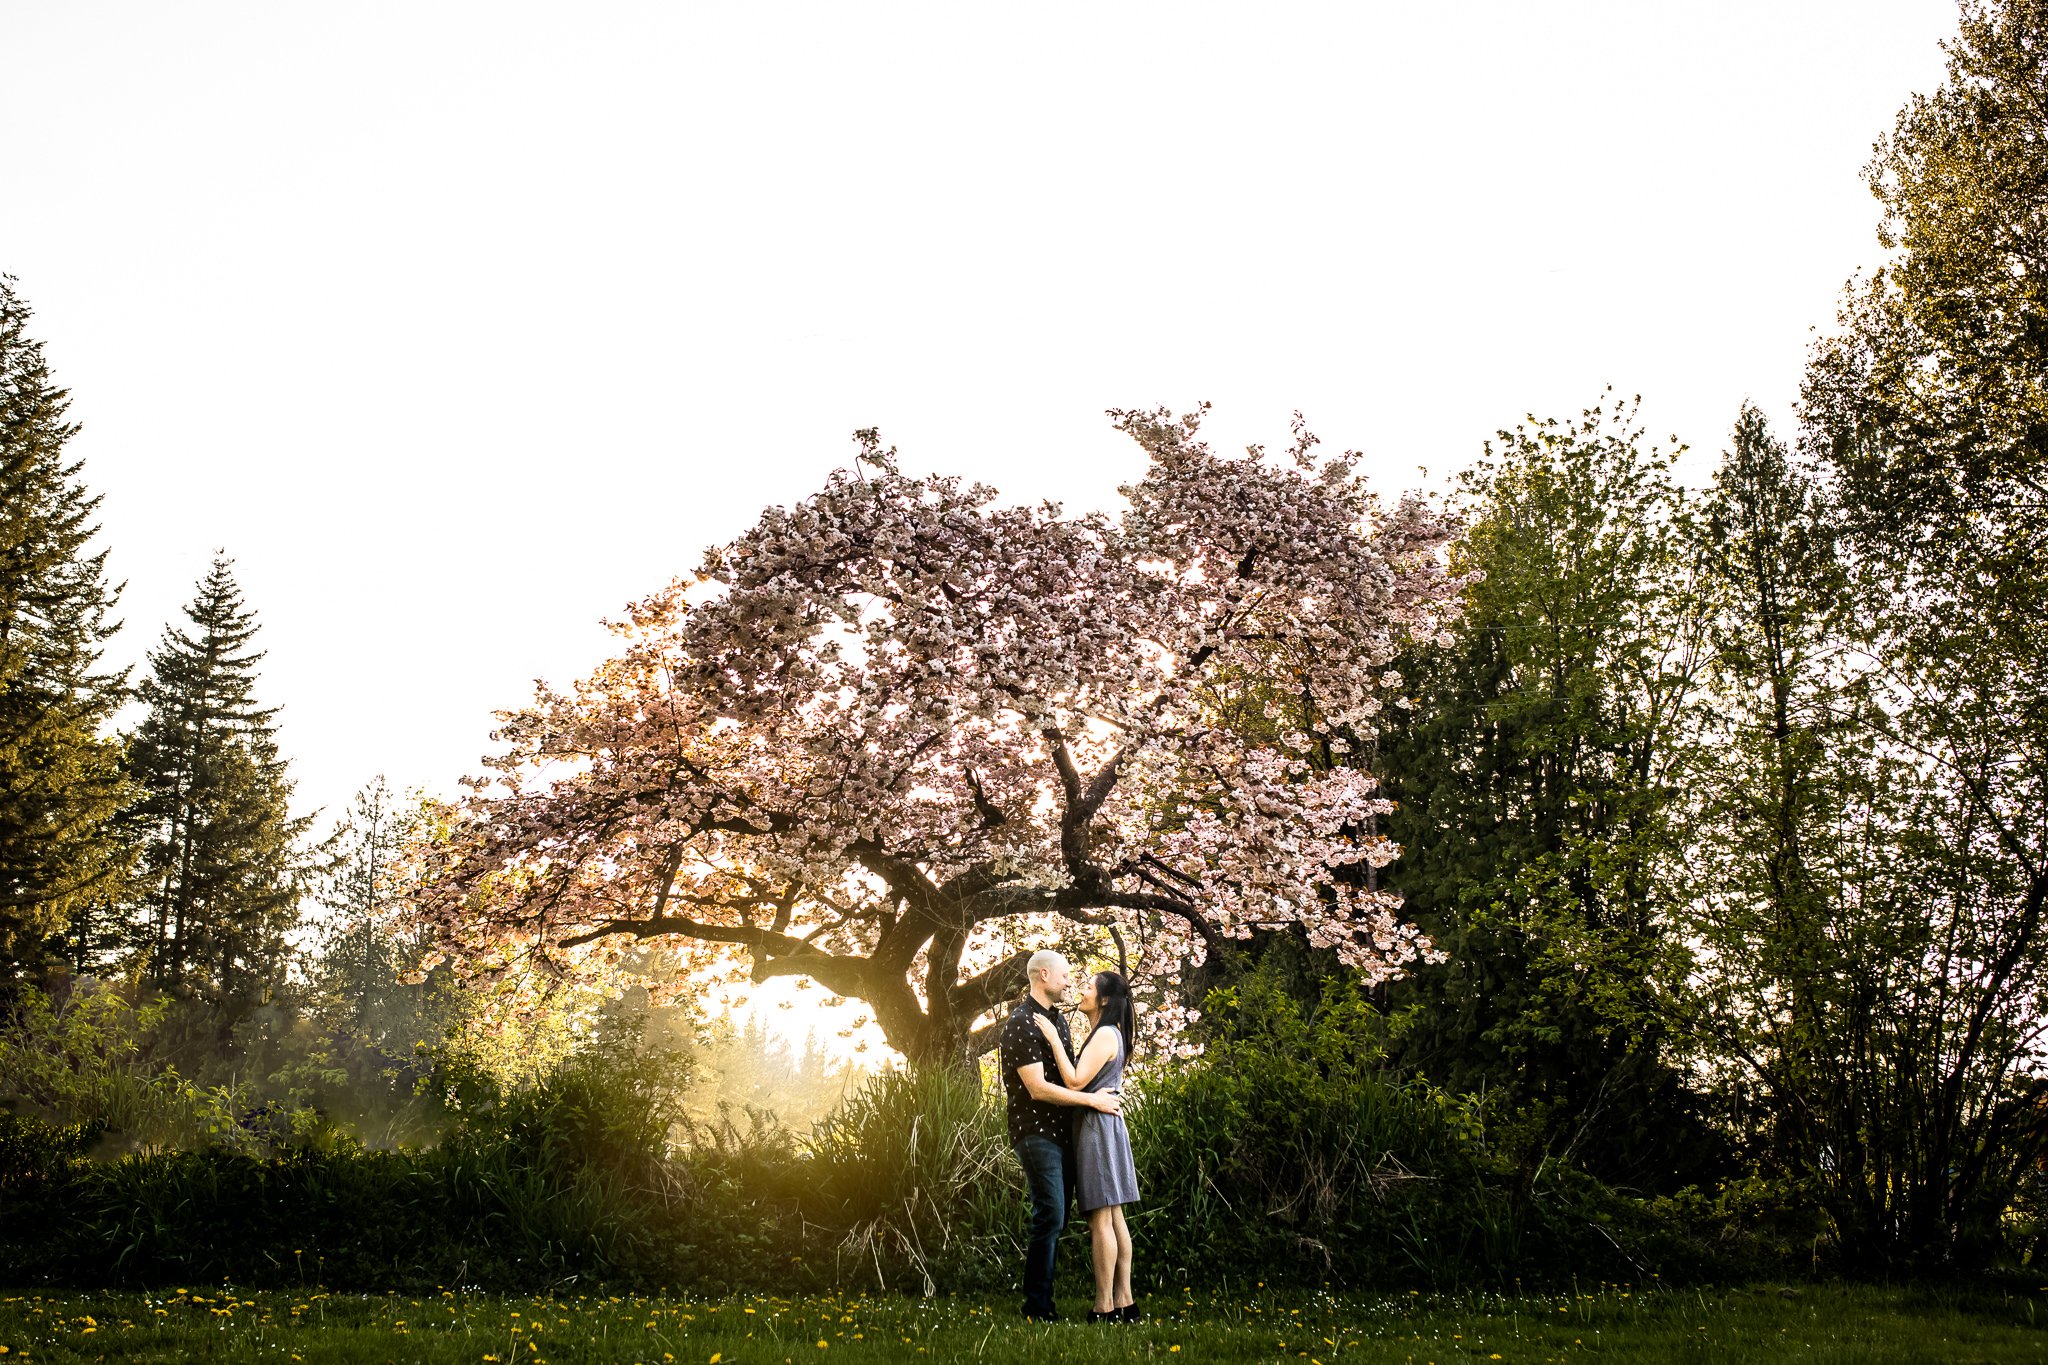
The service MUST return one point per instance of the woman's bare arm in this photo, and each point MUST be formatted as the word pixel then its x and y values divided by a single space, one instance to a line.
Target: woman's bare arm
pixel 1095 1055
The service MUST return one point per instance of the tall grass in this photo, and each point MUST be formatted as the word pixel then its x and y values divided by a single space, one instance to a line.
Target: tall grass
pixel 915 1174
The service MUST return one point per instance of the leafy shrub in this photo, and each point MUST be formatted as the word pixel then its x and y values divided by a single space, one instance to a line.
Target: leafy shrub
pixel 1287 1153
pixel 568 1178
pixel 90 1060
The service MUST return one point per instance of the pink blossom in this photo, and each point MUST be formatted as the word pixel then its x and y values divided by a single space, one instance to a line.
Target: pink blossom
pixel 898 731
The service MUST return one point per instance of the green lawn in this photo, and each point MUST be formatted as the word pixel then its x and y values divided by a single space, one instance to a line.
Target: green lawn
pixel 1830 1323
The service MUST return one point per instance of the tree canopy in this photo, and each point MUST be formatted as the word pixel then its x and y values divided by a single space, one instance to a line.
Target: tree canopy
pixel 891 733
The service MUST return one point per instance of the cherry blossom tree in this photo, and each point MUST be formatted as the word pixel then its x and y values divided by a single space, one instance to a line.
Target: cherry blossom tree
pixel 897 734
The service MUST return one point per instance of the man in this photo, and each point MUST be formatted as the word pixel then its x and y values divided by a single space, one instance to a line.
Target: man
pixel 1041 1112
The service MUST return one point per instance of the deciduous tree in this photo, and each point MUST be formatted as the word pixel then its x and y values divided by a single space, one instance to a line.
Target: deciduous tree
pixel 897 732
pixel 1929 406
pixel 1534 779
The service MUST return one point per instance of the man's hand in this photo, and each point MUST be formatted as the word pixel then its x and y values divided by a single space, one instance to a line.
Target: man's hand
pixel 1106 1102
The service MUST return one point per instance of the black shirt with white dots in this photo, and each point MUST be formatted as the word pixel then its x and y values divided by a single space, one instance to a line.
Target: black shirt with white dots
pixel 1021 1045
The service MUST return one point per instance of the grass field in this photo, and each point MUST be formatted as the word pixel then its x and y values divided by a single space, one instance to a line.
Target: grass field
pixel 1828 1323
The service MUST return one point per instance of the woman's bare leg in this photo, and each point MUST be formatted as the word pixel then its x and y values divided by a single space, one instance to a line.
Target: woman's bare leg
pixel 1122 1288
pixel 1103 1242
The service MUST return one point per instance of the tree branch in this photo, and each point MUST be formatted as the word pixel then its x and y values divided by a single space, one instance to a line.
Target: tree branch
pixel 991 986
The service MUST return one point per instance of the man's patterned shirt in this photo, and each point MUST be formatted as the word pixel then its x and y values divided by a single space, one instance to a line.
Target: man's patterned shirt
pixel 1021 1045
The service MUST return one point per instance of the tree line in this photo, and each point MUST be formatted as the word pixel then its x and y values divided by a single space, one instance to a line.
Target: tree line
pixel 169 846
pixel 1728 806
pixel 1722 809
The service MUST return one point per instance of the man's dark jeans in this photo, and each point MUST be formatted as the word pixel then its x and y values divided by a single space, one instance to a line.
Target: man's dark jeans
pixel 1049 1173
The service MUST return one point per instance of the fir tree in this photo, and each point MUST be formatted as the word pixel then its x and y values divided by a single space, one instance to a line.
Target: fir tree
pixel 370 946
pixel 223 860
pixel 60 778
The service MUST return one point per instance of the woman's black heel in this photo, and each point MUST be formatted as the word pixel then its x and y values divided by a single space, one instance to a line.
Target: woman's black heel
pixel 1111 1316
pixel 1127 1313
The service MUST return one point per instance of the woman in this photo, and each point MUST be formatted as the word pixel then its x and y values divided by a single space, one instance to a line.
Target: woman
pixel 1106 1177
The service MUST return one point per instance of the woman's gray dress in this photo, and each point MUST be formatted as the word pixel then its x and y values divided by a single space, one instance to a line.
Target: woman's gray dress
pixel 1104 1171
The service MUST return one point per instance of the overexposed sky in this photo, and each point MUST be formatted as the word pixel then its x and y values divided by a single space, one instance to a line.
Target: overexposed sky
pixel 461 325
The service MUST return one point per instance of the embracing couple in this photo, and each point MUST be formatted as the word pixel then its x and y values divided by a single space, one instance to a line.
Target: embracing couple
pixel 1066 1123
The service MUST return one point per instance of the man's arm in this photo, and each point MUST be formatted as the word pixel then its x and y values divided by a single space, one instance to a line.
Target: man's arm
pixel 1041 1089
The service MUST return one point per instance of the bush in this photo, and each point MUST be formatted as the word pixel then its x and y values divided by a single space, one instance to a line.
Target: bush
pixel 569 1178
pixel 1290 1155
pixel 90 1060
pixel 1286 1154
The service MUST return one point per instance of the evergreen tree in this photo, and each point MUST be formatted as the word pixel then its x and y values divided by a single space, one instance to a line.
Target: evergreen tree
pixel 223 864
pixel 370 947
pixel 60 778
pixel 364 881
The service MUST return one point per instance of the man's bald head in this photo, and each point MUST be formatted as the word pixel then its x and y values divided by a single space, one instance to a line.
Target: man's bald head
pixel 1047 972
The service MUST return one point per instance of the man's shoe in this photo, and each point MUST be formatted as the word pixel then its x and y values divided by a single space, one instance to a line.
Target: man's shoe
pixel 1040 1314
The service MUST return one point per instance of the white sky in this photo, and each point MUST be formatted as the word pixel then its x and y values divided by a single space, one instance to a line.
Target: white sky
pixel 461 325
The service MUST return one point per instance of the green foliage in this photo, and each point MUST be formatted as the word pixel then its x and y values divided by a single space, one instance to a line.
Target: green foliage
pixel 91 1062
pixel 1889 1015
pixel 1931 400
pixel 1295 1148
pixel 1533 777
pixel 916 1168
pixel 563 1178
pixel 1289 1150
pixel 60 777
pixel 222 863
pixel 1284 1155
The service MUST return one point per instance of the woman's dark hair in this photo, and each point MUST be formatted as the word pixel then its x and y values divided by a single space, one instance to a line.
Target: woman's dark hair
pixel 1113 999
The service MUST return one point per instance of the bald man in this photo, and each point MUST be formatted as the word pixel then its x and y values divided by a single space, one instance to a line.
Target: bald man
pixel 1041 1112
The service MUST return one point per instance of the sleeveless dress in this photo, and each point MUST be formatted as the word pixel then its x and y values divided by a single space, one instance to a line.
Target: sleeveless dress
pixel 1104 1171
